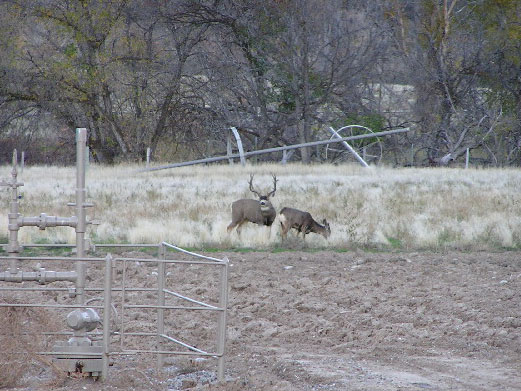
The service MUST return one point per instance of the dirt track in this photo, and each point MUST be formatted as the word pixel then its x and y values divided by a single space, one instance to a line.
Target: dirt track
pixel 354 321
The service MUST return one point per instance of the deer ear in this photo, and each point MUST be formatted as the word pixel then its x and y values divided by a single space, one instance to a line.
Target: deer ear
pixel 324 222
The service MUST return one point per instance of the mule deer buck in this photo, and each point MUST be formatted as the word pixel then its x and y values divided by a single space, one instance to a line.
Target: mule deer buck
pixel 259 211
pixel 302 222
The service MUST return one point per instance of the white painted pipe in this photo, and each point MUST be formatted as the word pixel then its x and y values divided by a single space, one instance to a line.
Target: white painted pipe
pixel 348 147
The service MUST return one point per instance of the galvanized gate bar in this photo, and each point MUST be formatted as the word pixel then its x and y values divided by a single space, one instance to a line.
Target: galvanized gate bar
pixel 192 253
pixel 209 306
pixel 172 352
pixel 115 245
pixel 190 347
pixel 172 307
pixel 48 305
pixel 72 259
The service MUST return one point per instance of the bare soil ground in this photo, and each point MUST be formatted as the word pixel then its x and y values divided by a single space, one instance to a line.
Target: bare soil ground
pixel 353 321
pixel 386 321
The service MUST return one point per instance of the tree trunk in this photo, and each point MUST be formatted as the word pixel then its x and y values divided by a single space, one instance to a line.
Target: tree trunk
pixel 306 126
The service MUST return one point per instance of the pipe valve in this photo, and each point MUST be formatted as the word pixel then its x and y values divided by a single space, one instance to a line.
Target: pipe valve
pixel 83 319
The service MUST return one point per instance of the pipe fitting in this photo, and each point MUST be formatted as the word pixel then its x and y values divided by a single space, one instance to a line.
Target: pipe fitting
pixel 44 221
pixel 49 276
pixel 83 319
pixel 42 276
pixel 13 247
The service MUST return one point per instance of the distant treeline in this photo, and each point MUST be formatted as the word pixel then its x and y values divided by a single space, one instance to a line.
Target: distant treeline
pixel 173 76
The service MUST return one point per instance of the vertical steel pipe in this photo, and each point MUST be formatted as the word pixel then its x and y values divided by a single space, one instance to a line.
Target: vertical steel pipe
pixel 81 143
pixel 221 322
pixel 13 247
pixel 123 298
pixel 160 302
pixel 107 300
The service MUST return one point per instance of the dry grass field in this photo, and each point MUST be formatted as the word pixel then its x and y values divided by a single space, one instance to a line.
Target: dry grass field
pixel 382 208
pixel 418 287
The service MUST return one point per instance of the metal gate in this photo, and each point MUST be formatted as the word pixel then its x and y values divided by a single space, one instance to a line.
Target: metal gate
pixel 121 297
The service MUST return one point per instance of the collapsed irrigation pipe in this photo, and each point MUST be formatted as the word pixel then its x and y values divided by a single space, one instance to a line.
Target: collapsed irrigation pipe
pixel 275 149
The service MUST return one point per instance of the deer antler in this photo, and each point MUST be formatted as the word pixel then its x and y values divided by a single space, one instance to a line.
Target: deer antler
pixel 251 186
pixel 272 193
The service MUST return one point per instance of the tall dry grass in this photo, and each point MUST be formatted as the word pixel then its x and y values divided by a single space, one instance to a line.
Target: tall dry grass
pixel 20 341
pixel 410 208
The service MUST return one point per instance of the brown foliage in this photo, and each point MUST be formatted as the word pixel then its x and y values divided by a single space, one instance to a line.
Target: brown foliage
pixel 19 341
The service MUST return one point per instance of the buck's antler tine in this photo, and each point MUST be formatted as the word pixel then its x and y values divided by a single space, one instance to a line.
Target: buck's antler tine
pixel 251 186
pixel 272 193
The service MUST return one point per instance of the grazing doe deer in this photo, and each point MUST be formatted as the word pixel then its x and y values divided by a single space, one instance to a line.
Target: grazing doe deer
pixel 302 222
pixel 259 211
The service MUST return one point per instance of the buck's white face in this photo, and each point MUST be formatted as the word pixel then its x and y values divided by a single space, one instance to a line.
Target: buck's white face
pixel 264 201
pixel 265 204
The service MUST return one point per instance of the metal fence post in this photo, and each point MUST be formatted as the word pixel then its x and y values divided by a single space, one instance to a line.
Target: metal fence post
pixel 81 142
pixel 107 301
pixel 123 299
pixel 221 323
pixel 160 302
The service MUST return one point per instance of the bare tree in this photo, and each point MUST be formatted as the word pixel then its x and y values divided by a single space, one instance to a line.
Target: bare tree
pixel 444 54
pixel 281 69
pixel 114 66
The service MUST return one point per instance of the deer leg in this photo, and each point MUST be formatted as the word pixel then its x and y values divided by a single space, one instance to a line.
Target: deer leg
pixel 268 232
pixel 304 229
pixel 239 227
pixel 230 227
pixel 284 231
